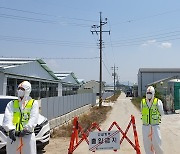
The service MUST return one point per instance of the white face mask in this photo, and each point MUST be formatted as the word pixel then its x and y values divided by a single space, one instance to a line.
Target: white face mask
pixel 149 96
pixel 20 93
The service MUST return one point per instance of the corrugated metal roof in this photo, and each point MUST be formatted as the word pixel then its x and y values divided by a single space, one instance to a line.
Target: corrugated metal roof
pixel 13 62
pixel 159 70
pixel 63 75
pixel 48 70
pixel 81 81
pixel 158 81
pixel 174 80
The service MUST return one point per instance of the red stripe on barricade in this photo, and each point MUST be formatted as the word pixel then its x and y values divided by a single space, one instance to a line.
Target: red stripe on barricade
pixel 77 128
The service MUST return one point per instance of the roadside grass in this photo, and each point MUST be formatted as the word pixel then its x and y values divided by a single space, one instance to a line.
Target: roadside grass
pixel 95 114
pixel 113 98
pixel 137 102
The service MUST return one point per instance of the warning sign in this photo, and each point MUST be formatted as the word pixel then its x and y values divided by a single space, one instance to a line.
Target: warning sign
pixel 104 140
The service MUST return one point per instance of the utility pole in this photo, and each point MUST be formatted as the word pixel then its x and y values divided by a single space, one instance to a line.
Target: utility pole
pixel 114 74
pixel 117 82
pixel 100 31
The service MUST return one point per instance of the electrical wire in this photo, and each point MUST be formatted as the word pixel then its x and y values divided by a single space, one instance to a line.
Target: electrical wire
pixel 76 58
pixel 44 14
pixel 95 40
pixel 105 58
pixel 147 17
pixel 56 58
pixel 107 69
pixel 158 38
pixel 15 17
pixel 111 41
pixel 134 44
pixel 27 18
pixel 144 38
pixel 45 42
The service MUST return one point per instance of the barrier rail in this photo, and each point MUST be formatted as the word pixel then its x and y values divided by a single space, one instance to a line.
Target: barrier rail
pixel 74 143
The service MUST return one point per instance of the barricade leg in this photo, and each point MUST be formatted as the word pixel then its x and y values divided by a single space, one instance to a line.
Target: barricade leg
pixel 78 129
pixel 135 136
pixel 73 136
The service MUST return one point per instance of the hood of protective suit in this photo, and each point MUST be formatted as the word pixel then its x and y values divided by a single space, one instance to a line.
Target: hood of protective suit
pixel 1 119
pixel 150 92
pixel 27 89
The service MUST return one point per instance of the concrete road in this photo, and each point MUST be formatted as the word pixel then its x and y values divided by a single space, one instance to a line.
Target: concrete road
pixel 121 112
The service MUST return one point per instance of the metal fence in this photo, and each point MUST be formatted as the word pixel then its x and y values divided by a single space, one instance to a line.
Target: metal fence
pixel 53 107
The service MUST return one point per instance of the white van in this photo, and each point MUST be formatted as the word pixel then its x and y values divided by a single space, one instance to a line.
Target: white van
pixel 42 129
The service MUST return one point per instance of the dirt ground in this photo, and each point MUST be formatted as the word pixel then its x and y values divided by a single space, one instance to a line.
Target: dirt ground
pixel 121 112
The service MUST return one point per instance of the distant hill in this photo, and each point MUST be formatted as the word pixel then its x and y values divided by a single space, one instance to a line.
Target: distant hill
pixel 126 83
pixel 123 83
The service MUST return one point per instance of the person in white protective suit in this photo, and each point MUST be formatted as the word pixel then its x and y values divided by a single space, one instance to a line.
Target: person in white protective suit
pixel 151 110
pixel 20 119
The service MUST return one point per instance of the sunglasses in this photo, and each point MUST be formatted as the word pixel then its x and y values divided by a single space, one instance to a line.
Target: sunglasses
pixel 21 88
pixel 149 93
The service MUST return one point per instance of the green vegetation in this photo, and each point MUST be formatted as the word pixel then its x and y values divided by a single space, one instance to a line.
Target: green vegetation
pixel 114 97
pixel 95 114
pixel 137 102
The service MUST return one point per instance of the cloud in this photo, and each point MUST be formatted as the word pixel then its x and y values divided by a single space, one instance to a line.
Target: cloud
pixel 166 45
pixel 156 44
pixel 149 42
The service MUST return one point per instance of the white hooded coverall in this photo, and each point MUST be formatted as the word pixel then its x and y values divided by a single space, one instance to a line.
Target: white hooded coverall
pixel 29 141
pixel 156 135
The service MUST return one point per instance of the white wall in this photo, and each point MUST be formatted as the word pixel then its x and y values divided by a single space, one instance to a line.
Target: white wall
pixel 92 85
pixel 3 84
pixel 59 89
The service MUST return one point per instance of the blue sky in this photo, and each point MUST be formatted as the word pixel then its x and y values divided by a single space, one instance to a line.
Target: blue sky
pixel 143 34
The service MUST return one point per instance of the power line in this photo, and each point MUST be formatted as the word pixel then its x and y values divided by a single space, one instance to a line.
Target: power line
pixel 100 31
pixel 111 42
pixel 45 42
pixel 76 58
pixel 27 18
pixel 134 44
pixel 147 17
pixel 158 38
pixel 143 38
pixel 24 11
pixel 130 42
pixel 105 57
pixel 107 69
pixel 15 17
pixel 95 40
pixel 58 58
pixel 114 68
pixel 44 14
